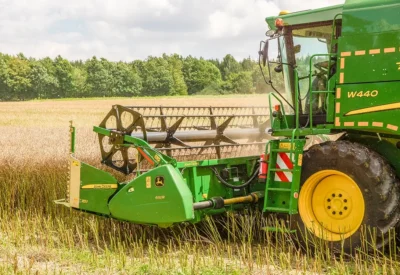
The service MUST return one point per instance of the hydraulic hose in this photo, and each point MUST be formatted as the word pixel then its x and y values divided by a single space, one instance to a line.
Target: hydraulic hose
pixel 219 202
pixel 227 184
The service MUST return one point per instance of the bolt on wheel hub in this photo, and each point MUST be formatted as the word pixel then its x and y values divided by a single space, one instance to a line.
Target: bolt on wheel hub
pixel 337 204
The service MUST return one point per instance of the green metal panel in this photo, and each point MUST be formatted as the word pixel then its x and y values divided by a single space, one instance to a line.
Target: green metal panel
pixel 369 107
pixel 370 16
pixel 226 161
pixel 159 196
pixel 204 185
pixel 363 4
pixel 96 187
pixel 369 58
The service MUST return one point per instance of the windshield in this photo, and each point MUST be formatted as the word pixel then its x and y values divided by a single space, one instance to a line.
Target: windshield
pixel 295 47
pixel 308 42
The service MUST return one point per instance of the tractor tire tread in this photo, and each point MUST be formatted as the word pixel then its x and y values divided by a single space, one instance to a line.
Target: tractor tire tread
pixel 383 186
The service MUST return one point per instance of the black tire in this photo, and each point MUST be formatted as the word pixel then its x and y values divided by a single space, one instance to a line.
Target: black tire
pixel 378 184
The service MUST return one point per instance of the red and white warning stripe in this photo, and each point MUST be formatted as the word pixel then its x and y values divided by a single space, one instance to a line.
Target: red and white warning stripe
pixel 283 162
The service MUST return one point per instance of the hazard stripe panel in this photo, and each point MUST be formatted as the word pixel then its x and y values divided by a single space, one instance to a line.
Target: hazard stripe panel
pixel 283 162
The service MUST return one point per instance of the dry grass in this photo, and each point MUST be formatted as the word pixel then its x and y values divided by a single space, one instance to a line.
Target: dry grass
pixel 36 236
pixel 40 128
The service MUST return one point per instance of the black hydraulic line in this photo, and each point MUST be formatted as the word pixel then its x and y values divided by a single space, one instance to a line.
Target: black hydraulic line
pixel 227 184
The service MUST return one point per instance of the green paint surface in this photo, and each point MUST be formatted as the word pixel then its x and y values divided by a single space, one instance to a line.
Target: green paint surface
pixel 95 200
pixel 141 201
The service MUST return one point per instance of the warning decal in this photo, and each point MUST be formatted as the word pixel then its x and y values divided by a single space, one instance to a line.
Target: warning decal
pixel 284 162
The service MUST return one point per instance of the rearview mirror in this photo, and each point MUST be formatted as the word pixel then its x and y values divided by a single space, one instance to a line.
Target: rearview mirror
pixel 265 53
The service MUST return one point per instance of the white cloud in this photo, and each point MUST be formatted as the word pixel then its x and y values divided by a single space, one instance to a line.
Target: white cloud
pixel 240 17
pixel 131 29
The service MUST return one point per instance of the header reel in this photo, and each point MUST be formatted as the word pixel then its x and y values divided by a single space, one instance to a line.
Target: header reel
pixel 182 133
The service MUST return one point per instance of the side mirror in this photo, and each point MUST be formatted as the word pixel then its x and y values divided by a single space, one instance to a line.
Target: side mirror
pixel 265 53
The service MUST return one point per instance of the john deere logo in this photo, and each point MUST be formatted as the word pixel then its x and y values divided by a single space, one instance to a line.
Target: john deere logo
pixel 159 181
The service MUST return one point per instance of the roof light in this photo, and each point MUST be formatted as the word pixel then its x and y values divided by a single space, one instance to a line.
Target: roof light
pixel 279 23
pixel 284 12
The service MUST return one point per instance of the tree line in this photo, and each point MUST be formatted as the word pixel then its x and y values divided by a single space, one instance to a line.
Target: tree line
pixel 23 78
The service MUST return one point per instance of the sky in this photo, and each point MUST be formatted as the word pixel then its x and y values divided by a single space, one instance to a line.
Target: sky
pixel 134 29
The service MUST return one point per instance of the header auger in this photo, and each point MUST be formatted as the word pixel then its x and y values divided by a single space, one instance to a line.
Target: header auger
pixel 341 70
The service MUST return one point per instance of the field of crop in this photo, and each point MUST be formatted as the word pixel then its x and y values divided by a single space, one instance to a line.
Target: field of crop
pixel 39 237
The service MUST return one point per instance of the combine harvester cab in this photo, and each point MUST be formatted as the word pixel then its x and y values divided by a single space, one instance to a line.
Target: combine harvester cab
pixel 186 174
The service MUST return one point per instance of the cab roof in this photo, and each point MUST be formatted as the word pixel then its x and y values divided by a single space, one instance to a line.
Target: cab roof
pixel 306 16
pixel 327 13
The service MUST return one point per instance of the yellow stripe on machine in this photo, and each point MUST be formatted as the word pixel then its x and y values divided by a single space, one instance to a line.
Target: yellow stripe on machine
pixel 286 145
pixel 100 186
pixel 385 107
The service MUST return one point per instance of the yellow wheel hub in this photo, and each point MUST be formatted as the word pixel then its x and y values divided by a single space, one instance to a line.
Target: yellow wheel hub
pixel 331 205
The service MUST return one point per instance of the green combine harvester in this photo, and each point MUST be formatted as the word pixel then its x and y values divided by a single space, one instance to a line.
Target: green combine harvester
pixel 341 69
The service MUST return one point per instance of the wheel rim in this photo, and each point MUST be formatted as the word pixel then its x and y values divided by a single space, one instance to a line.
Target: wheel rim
pixel 331 205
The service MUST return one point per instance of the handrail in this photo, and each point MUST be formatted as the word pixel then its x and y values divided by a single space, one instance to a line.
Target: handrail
pixel 311 92
pixel 270 108
pixel 294 132
pixel 333 36
pixel 296 97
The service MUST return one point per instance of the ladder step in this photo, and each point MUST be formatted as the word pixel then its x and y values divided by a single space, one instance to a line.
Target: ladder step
pixel 280 170
pixel 278 209
pixel 280 189
pixel 282 151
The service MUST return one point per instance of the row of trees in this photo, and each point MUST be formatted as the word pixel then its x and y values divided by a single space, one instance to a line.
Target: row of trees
pixel 24 78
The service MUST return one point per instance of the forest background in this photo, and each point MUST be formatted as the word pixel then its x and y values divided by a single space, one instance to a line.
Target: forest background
pixel 23 78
